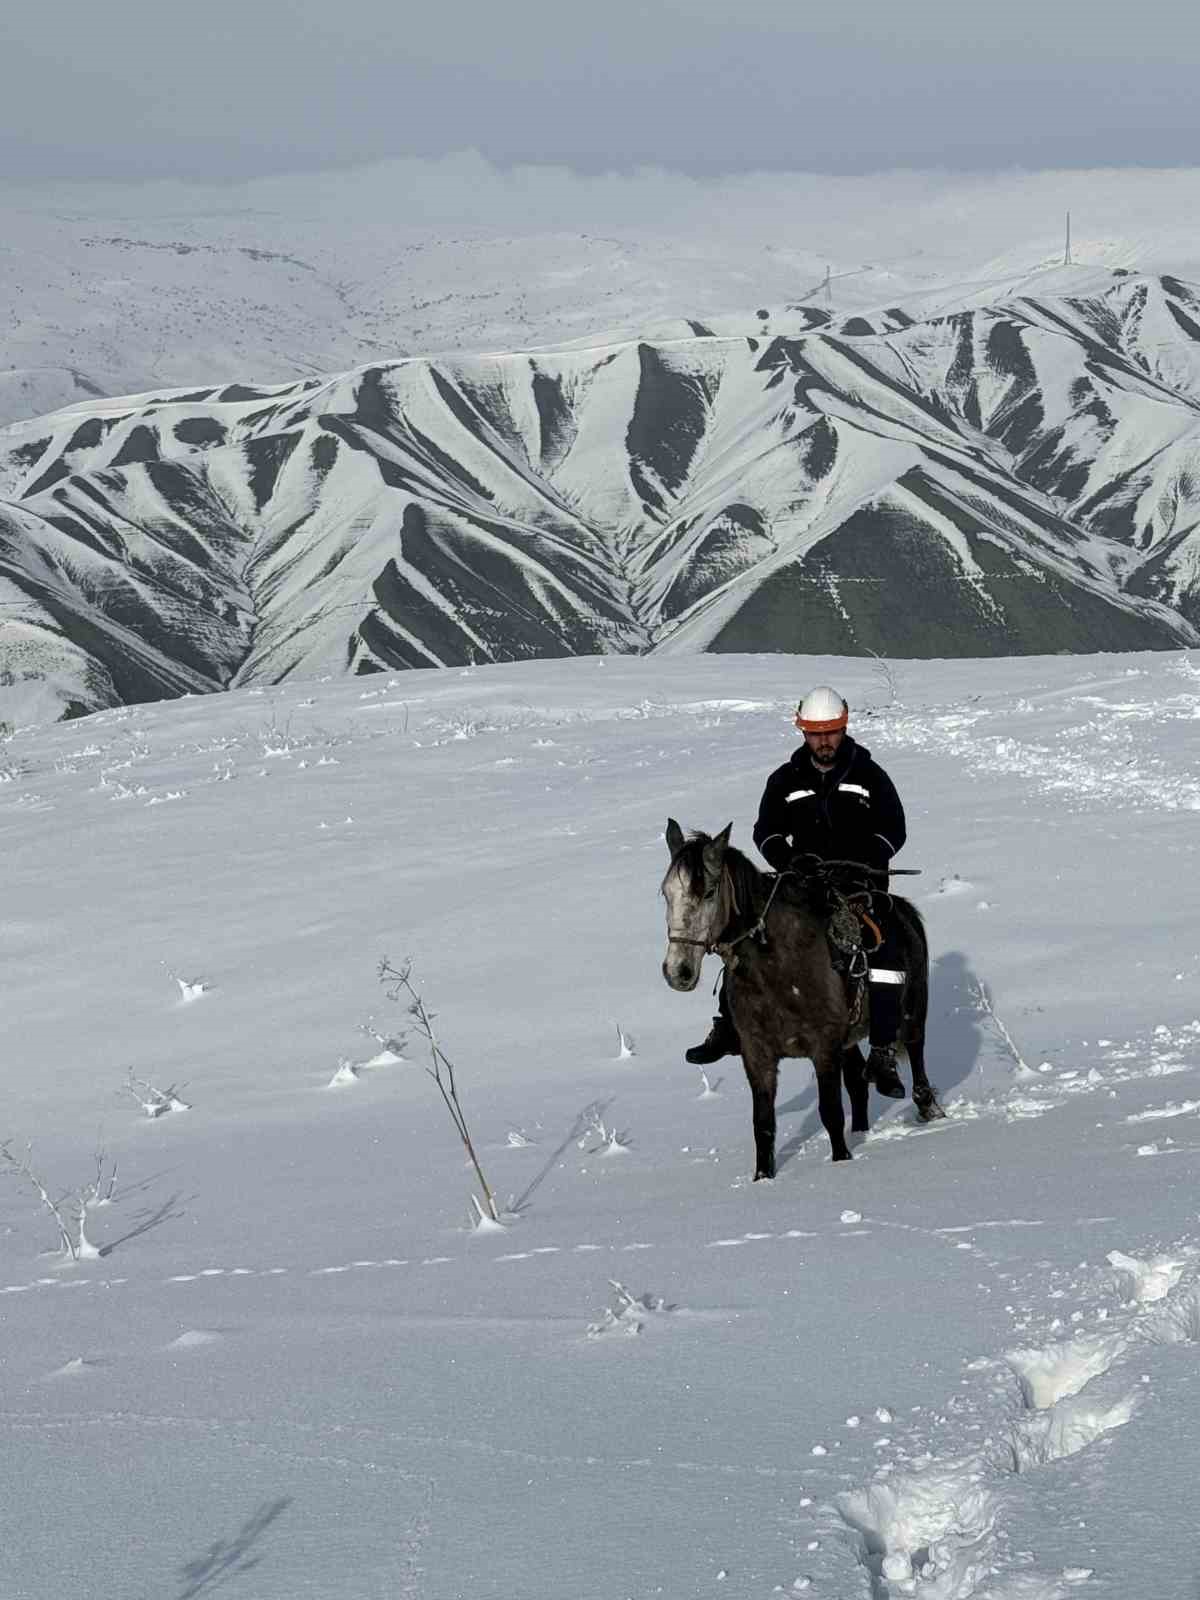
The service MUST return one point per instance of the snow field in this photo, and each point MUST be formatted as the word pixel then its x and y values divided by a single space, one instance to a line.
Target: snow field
pixel 960 1365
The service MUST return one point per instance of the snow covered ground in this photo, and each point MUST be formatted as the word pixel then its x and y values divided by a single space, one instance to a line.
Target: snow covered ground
pixel 963 1365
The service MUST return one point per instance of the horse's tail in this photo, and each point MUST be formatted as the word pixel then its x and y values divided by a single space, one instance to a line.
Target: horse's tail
pixel 916 960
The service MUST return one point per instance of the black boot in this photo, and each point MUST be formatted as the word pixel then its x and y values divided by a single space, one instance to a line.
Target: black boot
pixel 722 1041
pixel 881 1071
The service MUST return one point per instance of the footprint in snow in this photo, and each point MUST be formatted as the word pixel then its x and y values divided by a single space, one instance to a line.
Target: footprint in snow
pixel 1153 1279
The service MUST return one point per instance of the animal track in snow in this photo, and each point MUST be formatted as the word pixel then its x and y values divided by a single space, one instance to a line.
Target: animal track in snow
pixel 1067 1427
pixel 1154 1278
pixel 1055 1372
pixel 939 1528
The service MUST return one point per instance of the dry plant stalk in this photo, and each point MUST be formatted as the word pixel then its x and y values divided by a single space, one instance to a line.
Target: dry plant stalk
pixel 24 1169
pixel 442 1068
pixel 984 1001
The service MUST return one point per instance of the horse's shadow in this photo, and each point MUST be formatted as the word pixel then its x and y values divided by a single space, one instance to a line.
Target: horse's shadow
pixel 952 1045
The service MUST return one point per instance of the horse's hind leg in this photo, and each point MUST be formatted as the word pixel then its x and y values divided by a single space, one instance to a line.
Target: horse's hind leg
pixel 829 1101
pixel 762 1074
pixel 855 1081
pixel 924 1097
pixel 917 1008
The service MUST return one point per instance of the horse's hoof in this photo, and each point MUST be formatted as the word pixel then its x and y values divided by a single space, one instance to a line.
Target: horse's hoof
pixel 928 1110
pixel 764 1177
pixel 860 1127
pixel 889 1084
pixel 842 1155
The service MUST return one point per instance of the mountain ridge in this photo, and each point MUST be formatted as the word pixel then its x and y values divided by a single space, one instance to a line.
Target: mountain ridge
pixel 1016 478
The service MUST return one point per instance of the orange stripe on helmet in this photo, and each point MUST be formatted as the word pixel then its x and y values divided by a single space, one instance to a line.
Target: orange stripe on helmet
pixel 831 726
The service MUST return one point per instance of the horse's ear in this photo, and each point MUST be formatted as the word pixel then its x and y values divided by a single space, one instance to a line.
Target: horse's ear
pixel 714 851
pixel 675 839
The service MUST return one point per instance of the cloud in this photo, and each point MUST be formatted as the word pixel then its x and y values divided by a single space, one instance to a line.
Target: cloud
pixel 227 90
pixel 881 215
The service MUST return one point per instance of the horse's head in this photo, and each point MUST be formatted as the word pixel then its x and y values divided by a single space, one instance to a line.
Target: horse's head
pixel 698 898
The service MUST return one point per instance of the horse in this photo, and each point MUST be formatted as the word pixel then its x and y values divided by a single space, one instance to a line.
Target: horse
pixel 785 996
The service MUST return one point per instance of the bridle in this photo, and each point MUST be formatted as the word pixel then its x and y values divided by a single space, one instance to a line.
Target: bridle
pixel 726 900
pixel 756 931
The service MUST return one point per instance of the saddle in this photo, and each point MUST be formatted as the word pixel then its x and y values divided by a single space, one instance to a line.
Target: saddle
pixel 852 932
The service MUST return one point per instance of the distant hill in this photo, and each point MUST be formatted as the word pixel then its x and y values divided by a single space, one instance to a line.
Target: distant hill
pixel 1021 476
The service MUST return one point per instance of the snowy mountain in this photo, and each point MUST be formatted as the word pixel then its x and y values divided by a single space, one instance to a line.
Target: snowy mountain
pixel 1018 477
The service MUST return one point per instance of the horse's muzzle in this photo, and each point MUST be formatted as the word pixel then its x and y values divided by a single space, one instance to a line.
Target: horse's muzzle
pixel 681 975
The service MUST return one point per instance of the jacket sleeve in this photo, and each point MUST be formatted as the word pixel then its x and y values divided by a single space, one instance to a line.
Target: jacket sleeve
pixel 887 820
pixel 770 831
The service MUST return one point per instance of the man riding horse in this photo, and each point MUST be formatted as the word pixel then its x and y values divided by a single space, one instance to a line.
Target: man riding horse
pixel 830 800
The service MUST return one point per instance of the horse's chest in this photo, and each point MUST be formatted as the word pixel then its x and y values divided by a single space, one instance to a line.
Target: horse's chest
pixel 790 1018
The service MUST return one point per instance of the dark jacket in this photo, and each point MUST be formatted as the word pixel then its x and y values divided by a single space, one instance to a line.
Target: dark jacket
pixel 852 812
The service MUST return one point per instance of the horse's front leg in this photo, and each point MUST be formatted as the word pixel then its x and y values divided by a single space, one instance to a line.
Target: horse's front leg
pixel 828 1063
pixel 762 1074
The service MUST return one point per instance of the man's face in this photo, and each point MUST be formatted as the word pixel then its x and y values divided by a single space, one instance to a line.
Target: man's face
pixel 823 747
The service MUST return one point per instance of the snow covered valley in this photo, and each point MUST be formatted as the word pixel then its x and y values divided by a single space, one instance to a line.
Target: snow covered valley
pixel 288 1364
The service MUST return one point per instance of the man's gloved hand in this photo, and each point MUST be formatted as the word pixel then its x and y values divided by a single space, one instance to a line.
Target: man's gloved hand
pixel 870 849
pixel 776 852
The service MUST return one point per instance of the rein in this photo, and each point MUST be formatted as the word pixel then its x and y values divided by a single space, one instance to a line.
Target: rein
pixel 759 929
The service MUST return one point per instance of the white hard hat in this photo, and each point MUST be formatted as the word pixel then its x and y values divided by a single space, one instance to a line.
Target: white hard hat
pixel 822 711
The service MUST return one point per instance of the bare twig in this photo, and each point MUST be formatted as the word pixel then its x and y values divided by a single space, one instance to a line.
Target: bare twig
pixel 882 670
pixel 100 1191
pixel 153 1101
pixel 23 1167
pixel 441 1069
pixel 612 1142
pixel 984 1001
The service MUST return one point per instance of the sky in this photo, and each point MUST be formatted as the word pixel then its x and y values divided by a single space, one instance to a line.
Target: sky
pixel 229 91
